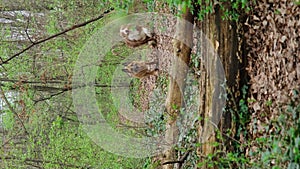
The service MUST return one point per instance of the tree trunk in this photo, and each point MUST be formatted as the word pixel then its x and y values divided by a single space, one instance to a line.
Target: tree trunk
pixel 223 35
pixel 179 68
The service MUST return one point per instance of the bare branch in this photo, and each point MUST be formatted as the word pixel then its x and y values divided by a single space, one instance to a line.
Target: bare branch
pixel 32 82
pixel 49 97
pixel 62 164
pixel 56 35
pixel 8 140
pixel 11 108
pixel 180 161
pixel 26 30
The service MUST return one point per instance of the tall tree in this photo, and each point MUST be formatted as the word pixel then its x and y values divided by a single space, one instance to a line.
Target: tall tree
pixel 179 68
pixel 223 35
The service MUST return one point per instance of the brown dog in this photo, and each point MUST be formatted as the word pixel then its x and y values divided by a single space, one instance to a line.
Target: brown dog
pixel 136 35
pixel 140 69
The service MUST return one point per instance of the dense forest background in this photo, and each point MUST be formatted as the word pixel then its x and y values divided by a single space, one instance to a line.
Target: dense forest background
pixel 257 42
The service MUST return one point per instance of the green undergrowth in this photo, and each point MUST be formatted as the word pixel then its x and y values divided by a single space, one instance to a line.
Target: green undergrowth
pixel 232 9
pixel 277 147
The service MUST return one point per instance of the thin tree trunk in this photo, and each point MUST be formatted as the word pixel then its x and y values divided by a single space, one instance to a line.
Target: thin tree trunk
pixel 182 50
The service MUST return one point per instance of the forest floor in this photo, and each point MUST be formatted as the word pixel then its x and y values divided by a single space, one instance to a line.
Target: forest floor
pixel 273 42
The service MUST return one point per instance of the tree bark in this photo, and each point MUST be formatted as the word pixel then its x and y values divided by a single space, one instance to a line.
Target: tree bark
pixel 223 35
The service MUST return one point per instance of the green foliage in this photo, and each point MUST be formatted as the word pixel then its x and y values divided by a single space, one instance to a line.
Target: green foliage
pixel 237 7
pixel 232 8
pixel 151 165
pixel 7 120
pixel 277 147
pixel 122 4
pixel 135 93
pixel 206 8
pixel 281 148
pixel 297 3
pixel 243 113
pixel 195 61
pixel 150 4
pixel 155 117
pixel 55 137
pixel 104 98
